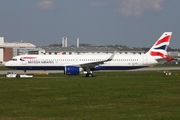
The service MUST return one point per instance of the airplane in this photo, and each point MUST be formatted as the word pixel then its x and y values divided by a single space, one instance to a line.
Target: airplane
pixel 75 64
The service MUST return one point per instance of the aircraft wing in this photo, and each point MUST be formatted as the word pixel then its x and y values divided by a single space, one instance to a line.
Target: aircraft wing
pixel 93 64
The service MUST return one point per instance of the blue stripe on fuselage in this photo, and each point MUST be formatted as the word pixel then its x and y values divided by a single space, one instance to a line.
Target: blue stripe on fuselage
pixel 36 67
pixel 117 67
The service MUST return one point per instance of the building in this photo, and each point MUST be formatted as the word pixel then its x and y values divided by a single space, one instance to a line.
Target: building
pixel 63 48
pixel 19 48
pixel 71 50
pixel 8 54
pixel 1 50
pixel 9 50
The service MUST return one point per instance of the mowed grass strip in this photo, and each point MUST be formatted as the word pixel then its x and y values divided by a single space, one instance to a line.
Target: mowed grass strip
pixel 108 95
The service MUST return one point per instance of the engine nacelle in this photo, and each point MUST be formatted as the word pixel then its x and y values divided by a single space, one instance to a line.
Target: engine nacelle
pixel 72 70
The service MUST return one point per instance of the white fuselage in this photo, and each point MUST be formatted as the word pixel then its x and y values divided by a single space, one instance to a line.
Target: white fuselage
pixel 58 62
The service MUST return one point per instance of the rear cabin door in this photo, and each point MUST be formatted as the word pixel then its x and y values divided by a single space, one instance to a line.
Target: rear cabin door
pixel 145 60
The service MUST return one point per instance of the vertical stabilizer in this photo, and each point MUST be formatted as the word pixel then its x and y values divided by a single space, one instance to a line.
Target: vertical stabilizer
pixel 159 49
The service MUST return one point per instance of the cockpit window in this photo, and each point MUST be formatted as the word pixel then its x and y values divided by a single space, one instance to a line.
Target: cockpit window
pixel 13 59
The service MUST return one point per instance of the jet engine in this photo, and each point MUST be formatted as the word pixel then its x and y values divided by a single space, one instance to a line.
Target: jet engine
pixel 72 70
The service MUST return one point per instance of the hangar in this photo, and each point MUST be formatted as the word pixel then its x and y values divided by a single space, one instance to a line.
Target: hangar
pixel 63 48
pixel 70 50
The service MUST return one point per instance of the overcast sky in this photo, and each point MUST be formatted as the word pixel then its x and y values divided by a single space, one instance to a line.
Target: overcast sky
pixel 136 23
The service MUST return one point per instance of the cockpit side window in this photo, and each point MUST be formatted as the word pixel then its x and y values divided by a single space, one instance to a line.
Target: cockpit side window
pixel 13 59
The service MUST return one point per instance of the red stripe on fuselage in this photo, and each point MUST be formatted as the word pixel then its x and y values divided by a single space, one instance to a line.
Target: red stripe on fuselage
pixel 28 57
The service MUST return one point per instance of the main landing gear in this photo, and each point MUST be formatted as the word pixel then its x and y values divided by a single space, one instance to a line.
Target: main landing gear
pixel 24 72
pixel 89 73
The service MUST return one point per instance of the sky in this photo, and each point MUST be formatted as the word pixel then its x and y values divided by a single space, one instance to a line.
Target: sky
pixel 135 23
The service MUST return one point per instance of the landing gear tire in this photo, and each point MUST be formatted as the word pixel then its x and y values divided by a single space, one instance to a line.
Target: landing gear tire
pixel 17 76
pixel 89 75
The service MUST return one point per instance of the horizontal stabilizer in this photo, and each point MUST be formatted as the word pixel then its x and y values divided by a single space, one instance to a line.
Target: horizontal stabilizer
pixel 167 58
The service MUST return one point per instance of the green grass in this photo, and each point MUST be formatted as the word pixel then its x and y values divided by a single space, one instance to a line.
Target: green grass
pixel 167 65
pixel 4 68
pixel 107 96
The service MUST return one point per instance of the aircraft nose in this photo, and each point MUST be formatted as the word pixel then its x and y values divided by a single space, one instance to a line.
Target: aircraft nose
pixel 7 64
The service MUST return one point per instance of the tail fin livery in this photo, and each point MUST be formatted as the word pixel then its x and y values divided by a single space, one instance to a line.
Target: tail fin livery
pixel 159 49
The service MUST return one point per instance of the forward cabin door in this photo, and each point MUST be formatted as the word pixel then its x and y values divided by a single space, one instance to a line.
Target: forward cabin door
pixel 24 62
